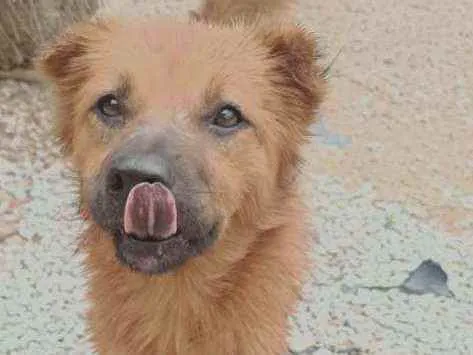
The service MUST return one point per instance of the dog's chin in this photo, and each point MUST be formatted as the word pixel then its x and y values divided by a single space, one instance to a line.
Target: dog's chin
pixel 154 257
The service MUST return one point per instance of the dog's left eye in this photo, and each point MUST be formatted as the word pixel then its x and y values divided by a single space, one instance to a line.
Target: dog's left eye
pixel 109 107
pixel 227 119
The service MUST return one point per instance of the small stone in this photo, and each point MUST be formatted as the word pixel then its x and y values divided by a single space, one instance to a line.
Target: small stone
pixel 26 232
pixel 429 277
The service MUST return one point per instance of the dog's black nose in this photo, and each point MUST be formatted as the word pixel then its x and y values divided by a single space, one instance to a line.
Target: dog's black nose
pixel 127 172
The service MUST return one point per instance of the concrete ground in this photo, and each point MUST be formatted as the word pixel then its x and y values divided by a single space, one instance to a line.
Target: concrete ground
pixel 389 177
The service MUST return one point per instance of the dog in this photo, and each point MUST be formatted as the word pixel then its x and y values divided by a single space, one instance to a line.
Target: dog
pixel 186 137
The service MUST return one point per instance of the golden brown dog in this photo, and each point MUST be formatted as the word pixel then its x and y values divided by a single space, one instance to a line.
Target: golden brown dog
pixel 186 137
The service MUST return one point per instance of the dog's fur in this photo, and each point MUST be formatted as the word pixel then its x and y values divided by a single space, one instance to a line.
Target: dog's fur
pixel 247 11
pixel 235 298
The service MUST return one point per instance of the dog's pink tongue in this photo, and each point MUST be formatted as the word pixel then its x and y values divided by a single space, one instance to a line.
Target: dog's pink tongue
pixel 150 212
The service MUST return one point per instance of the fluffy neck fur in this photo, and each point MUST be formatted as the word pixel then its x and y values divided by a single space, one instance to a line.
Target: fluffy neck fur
pixel 212 304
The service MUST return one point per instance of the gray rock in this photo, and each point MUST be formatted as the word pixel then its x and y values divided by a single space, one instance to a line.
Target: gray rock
pixel 429 277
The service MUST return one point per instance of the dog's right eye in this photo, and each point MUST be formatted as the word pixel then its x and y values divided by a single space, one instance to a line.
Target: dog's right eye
pixel 109 108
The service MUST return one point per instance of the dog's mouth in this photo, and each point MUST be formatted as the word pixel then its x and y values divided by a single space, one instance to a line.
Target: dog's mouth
pixel 154 238
pixel 149 240
pixel 152 256
pixel 153 230
pixel 150 212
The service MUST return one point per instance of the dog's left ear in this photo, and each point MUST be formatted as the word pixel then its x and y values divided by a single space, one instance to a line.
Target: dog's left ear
pixel 298 88
pixel 295 70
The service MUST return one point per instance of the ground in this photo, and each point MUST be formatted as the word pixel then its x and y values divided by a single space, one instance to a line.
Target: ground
pixel 388 178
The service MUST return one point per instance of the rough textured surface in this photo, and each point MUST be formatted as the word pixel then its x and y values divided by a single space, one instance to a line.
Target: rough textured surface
pixel 388 178
pixel 26 24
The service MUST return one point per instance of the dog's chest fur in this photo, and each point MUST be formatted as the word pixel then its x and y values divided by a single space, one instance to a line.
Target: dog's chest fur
pixel 242 310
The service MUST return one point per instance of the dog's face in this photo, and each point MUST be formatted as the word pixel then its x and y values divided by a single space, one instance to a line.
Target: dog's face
pixel 179 131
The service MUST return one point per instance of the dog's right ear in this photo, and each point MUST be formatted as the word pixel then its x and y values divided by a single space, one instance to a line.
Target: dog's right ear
pixel 56 61
pixel 63 58
pixel 64 62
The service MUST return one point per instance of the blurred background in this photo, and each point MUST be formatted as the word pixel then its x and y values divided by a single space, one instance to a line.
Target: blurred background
pixel 25 24
pixel 389 178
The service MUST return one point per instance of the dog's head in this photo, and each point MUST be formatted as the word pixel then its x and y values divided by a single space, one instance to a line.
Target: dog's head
pixel 180 131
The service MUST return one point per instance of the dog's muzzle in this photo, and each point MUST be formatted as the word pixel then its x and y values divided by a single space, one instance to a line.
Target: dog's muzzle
pixel 143 198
